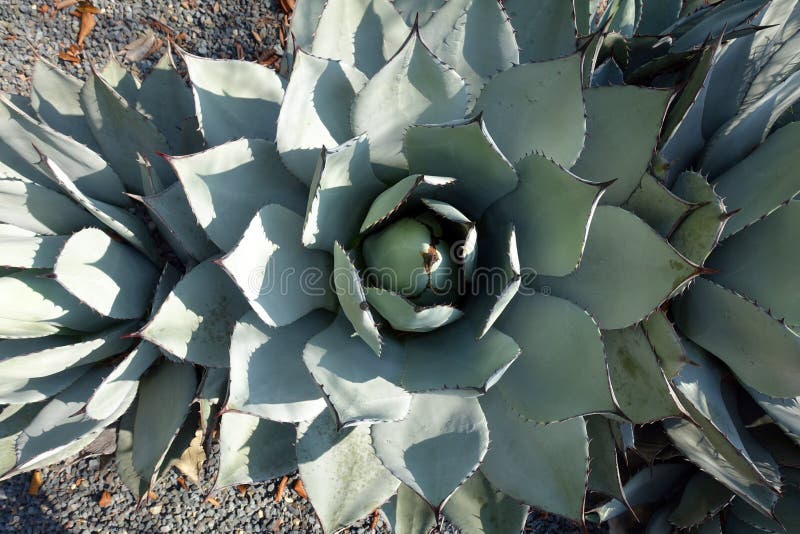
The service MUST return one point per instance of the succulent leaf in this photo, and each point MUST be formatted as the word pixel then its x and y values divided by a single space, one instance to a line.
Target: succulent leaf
pixel 342 191
pixel 466 150
pixel 268 378
pixel 413 87
pixel 475 38
pixel 172 214
pixel 126 225
pixel 121 80
pixel 408 513
pixel 341 474
pixel 479 507
pixel 389 202
pixel 32 390
pixel 762 181
pixel 552 210
pixel 411 9
pixel 227 184
pixel 759 349
pixel 30 298
pixel 711 403
pixel 406 316
pixel 165 98
pixel 622 254
pixel 639 385
pixel 493 297
pixel 40 210
pixel 744 132
pixel 757 262
pixel 253 449
pixel 520 105
pixel 561 352
pixel 315 111
pixel 121 382
pixel 30 251
pixel 699 232
pixel 471 366
pixel 604 472
pixel 691 441
pixel 109 277
pixel 666 343
pixel 607 74
pixel 703 497
pixel 165 395
pixel 25 140
pixel 558 453
pixel 195 321
pixel 646 486
pixel 13 420
pixel 305 18
pixel 56 97
pixel 122 133
pixel 41 357
pixel 59 430
pixel 623 125
pixel 360 387
pixel 544 29
pixel 436 447
pixel 229 93
pixel 658 15
pixel 363 33
pixel 352 299
pixel 658 206
pixel 726 15
pixel 785 413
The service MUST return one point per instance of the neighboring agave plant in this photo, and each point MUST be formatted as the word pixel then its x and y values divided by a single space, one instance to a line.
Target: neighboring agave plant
pixel 438 234
pixel 734 365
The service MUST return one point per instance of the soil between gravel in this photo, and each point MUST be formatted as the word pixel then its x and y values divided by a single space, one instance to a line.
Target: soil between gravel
pixel 68 499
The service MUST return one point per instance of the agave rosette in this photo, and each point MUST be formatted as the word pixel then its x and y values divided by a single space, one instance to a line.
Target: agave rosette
pixel 733 364
pixel 438 234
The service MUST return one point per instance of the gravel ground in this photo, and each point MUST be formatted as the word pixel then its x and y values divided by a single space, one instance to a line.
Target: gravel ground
pixel 68 499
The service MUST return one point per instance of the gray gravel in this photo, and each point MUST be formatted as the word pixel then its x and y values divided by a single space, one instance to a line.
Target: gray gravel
pixel 68 499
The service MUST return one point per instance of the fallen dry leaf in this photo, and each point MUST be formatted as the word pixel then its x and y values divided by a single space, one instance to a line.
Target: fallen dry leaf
pixel 374 524
pixel 105 500
pixel 287 5
pixel 68 56
pixel 152 495
pixel 63 4
pixel 88 22
pixel 300 489
pixel 276 526
pixel 142 47
pixel 36 483
pixel 256 36
pixel 44 8
pixel 182 483
pixel 242 489
pixel 239 51
pixel 10 38
pixel 79 482
pixel 211 500
pixel 216 7
pixel 281 489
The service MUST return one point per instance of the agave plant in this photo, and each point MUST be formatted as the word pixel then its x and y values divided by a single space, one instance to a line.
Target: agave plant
pixel 439 234
pixel 731 363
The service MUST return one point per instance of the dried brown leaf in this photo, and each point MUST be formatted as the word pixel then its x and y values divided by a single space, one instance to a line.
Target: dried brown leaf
pixel 140 48
pixel 216 7
pixel 88 22
pixel 182 483
pixel 36 483
pixel 374 524
pixel 256 36
pixel 300 489
pixel 105 500
pixel 63 4
pixel 281 489
pixel 239 51
pixel 68 56
pixel 212 501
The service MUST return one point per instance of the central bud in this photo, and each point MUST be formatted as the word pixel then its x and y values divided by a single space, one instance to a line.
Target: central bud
pixel 409 257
